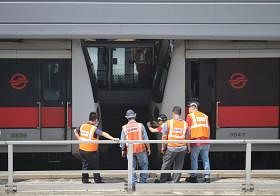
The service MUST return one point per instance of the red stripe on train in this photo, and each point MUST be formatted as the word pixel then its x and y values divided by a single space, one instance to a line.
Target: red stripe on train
pixel 248 116
pixel 27 117
pixel 18 117
pixel 52 117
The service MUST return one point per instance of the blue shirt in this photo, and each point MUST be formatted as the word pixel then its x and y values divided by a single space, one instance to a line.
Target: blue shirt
pixel 98 132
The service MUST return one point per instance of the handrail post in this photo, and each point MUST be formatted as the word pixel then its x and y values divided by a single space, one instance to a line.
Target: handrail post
pixel 10 187
pixel 130 167
pixel 248 185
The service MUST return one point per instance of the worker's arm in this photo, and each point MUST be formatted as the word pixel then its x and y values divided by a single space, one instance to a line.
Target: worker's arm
pixel 108 136
pixel 164 137
pixel 208 128
pixel 76 132
pixel 189 123
pixel 188 137
pixel 151 128
pixel 98 132
pixel 145 137
pixel 122 145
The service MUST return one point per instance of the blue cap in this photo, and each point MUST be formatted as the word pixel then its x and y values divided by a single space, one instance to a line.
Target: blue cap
pixel 130 114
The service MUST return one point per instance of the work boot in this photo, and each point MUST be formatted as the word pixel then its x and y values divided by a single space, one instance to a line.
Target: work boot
pixel 191 179
pixel 169 178
pixel 207 180
pixel 97 178
pixel 85 178
pixel 98 181
pixel 157 181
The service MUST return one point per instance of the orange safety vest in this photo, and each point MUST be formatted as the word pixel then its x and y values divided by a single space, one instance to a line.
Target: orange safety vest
pixel 87 134
pixel 199 127
pixel 133 131
pixel 176 131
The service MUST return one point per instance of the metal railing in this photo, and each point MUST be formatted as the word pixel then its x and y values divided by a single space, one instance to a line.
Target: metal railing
pixel 11 186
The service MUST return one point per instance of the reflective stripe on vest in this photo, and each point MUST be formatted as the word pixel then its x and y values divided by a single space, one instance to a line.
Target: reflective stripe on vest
pixel 176 131
pixel 199 127
pixel 133 131
pixel 87 134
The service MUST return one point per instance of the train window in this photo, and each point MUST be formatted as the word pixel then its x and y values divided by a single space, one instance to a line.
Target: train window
pixel 99 64
pixel 119 75
pixel 52 82
pixel 120 65
pixel 144 66
pixel 132 67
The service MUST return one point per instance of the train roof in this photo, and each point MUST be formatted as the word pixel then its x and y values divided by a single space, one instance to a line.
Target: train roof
pixel 147 19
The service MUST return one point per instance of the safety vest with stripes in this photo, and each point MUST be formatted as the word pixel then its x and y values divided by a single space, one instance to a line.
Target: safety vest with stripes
pixel 199 127
pixel 87 134
pixel 133 131
pixel 176 131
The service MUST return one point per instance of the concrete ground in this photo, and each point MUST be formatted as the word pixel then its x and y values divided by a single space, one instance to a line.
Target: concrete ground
pixel 117 186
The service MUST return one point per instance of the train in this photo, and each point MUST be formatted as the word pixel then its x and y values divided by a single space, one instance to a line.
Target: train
pixel 48 87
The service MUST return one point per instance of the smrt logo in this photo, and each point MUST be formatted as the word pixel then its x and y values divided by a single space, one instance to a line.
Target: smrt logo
pixel 238 80
pixel 18 81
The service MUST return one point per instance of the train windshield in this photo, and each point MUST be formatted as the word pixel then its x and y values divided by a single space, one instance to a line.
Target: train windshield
pixel 122 67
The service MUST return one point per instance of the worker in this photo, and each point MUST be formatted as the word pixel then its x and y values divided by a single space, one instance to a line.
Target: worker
pixel 136 131
pixel 198 130
pixel 156 126
pixel 89 151
pixel 174 153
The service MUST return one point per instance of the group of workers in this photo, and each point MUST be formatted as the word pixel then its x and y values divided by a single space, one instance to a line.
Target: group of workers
pixel 195 127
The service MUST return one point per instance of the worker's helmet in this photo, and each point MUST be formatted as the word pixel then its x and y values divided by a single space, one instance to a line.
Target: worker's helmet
pixel 193 104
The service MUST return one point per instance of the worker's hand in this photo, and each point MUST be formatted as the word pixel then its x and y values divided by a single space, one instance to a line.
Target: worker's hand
pixel 124 153
pixel 163 150
pixel 148 124
pixel 116 139
pixel 154 124
pixel 149 152
pixel 189 150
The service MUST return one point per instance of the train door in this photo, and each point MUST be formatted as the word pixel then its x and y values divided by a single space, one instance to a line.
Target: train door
pixel 200 86
pixel 55 99
pixel 35 100
pixel 240 95
pixel 248 98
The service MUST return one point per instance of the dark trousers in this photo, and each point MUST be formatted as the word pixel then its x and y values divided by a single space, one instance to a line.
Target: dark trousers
pixel 90 161
pixel 172 158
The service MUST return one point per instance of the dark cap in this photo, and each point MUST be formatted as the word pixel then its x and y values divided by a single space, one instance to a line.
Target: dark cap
pixel 130 114
pixel 162 117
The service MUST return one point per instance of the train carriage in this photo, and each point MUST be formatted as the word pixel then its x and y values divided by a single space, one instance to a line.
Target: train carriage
pixel 57 68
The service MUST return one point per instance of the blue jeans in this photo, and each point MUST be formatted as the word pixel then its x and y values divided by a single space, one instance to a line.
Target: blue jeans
pixel 203 151
pixel 142 160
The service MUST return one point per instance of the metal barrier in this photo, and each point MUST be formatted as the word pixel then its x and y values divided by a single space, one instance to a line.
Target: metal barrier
pixel 11 187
